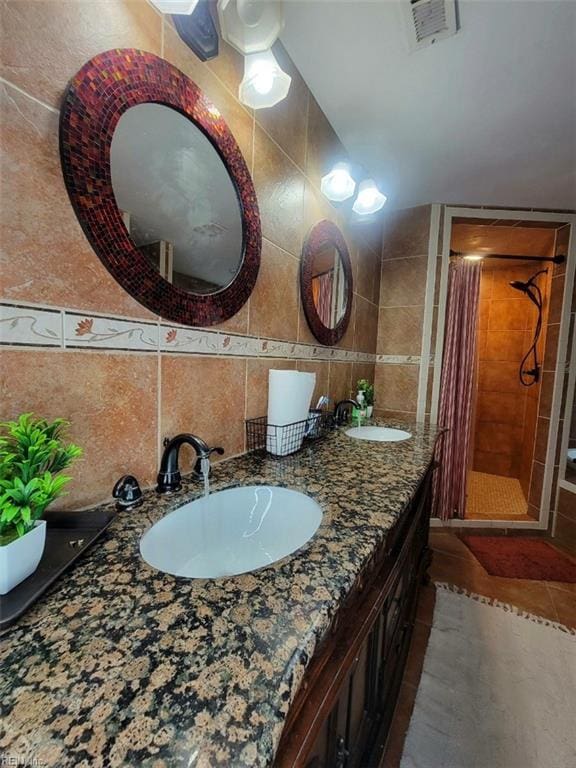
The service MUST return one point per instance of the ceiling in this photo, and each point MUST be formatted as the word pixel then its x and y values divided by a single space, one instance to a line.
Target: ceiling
pixel 486 117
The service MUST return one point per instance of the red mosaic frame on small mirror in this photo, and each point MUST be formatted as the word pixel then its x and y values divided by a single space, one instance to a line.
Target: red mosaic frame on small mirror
pixel 323 234
pixel 96 98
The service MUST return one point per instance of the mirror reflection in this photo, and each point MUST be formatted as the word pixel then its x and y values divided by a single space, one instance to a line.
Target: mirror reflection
pixel 177 199
pixel 329 290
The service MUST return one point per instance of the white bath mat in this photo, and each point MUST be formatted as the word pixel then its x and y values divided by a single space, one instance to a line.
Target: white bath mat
pixel 498 690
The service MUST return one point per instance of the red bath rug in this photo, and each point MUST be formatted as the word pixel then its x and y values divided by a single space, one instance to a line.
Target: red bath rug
pixel 521 558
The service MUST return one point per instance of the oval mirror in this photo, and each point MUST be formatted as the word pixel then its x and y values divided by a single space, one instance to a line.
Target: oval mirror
pixel 160 187
pixel 326 282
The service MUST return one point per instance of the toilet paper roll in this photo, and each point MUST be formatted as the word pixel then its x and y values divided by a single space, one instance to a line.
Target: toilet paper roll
pixel 289 396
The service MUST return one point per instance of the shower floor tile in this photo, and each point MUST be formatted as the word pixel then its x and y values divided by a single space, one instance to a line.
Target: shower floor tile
pixel 493 497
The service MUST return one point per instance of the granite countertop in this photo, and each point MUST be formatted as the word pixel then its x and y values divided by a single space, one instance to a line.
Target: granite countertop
pixel 122 665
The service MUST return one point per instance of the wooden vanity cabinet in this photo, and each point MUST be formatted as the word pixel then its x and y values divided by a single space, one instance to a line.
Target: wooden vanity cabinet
pixel 343 710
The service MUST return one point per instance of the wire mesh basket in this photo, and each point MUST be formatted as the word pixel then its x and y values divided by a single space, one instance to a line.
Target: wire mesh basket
pixel 286 439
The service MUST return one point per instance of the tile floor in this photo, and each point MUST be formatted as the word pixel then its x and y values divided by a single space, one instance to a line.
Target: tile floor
pixel 454 563
pixel 493 497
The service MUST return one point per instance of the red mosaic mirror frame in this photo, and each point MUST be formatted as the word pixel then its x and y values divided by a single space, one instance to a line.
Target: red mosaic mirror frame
pixel 323 234
pixel 96 98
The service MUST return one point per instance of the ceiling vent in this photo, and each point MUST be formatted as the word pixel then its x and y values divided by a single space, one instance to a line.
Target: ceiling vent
pixel 428 21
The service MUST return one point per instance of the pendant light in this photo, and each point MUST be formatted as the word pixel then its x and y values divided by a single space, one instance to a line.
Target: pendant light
pixel 338 185
pixel 175 6
pixel 264 83
pixel 369 198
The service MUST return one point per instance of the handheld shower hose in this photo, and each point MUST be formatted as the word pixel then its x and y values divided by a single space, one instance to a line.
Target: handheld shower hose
pixel 532 375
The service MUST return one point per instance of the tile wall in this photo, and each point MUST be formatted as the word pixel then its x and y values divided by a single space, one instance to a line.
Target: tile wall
pixel 75 344
pixel 401 316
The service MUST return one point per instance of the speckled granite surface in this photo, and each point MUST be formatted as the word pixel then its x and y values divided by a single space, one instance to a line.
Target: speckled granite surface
pixel 121 665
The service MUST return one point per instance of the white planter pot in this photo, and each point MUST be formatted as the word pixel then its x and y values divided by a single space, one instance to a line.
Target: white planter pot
pixel 369 411
pixel 20 558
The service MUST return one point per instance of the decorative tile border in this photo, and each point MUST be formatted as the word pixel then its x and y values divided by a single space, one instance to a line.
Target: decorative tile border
pixel 191 340
pixel 399 359
pixel 27 326
pixel 46 326
pixel 109 333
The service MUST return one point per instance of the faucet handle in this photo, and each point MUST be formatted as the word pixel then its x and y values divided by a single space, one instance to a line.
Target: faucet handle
pixel 128 492
pixel 202 465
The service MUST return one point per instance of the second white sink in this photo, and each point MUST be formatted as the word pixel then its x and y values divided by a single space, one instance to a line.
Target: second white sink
pixel 379 434
pixel 231 532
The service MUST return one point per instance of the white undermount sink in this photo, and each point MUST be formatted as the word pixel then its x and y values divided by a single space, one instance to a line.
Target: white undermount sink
pixel 231 532
pixel 379 434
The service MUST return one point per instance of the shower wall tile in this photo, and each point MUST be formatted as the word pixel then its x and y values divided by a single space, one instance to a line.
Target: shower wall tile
pixel 506 325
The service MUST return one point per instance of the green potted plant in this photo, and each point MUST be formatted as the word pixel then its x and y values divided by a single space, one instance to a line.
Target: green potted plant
pixel 32 454
pixel 367 390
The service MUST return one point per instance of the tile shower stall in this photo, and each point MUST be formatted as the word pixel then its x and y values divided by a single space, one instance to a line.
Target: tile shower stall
pixel 510 420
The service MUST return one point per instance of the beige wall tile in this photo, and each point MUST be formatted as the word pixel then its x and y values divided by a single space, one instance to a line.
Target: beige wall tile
pixel 110 399
pixel 403 282
pixel 45 43
pixel 205 396
pixel 280 190
pixel 340 381
pixel 396 387
pixel 366 327
pixel 274 301
pixel 406 233
pixel 286 123
pixel 368 273
pixel 45 256
pixel 400 330
pixel 324 148
pixel 321 369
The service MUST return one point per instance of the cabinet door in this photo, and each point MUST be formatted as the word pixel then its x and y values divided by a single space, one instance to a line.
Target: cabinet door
pixel 358 705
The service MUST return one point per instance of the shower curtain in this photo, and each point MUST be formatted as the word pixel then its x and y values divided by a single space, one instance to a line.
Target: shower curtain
pixel 456 390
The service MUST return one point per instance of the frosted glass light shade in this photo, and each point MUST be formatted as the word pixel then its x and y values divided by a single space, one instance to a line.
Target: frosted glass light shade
pixel 369 198
pixel 185 7
pixel 338 185
pixel 264 83
pixel 250 26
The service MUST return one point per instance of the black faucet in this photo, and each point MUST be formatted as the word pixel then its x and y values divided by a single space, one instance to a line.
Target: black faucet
pixel 169 477
pixel 340 416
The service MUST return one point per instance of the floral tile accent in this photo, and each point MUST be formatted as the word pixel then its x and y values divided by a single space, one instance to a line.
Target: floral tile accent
pixel 30 327
pixel 303 351
pixel 191 340
pixel 274 348
pixel 244 346
pixel 399 359
pixel 109 333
